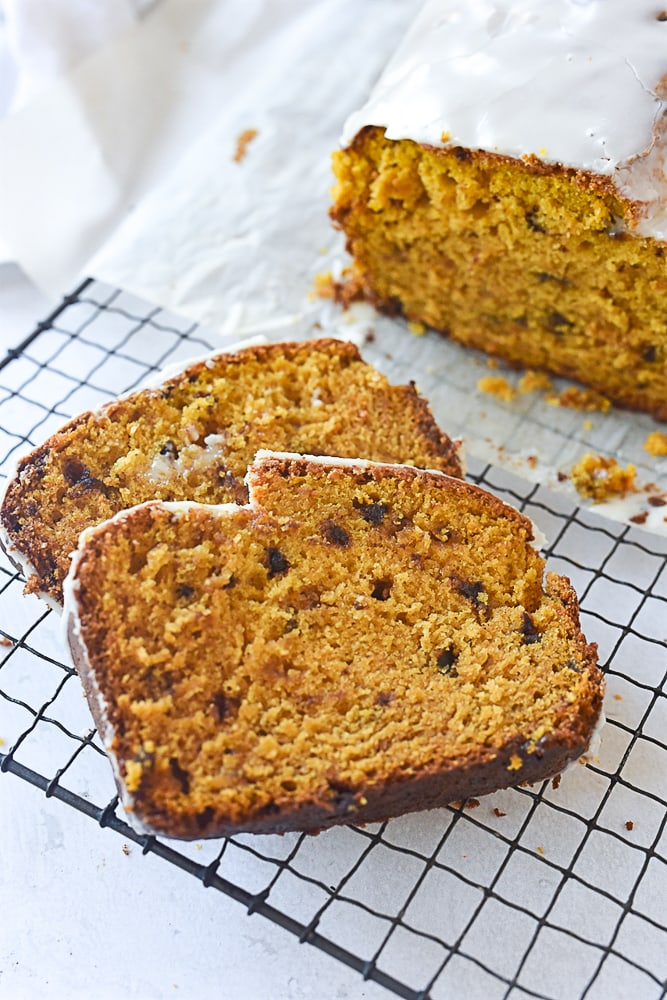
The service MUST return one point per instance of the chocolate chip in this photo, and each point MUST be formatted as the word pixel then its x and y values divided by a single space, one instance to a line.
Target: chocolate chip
pixel 662 16
pixel 528 631
pixel 385 698
pixel 466 588
pixel 372 513
pixel 74 471
pixel 531 219
pixel 657 502
pixel 381 590
pixel 543 276
pixel 220 704
pixel 558 323
pixel 276 561
pixel 79 476
pixel 184 590
pixel 446 660
pixel 462 154
pixel 205 817
pixel 649 354
pixel 169 450
pixel 182 777
pixel 335 534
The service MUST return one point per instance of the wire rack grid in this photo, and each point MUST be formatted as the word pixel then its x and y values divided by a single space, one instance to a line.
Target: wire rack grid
pixel 556 891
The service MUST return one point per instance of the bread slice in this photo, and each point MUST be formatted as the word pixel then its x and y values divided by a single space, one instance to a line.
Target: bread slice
pixel 192 437
pixel 358 641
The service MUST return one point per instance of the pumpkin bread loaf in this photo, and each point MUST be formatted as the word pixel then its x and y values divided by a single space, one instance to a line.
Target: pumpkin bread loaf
pixel 358 641
pixel 193 436
pixel 505 184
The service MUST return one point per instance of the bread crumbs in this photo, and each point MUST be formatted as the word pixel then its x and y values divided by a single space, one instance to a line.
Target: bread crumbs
pixel 575 398
pixel 496 385
pixel 344 292
pixel 598 477
pixel 242 143
pixel 532 381
pixel 656 443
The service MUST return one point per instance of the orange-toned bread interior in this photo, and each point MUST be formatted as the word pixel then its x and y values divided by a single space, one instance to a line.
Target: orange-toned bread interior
pixel 340 652
pixel 534 264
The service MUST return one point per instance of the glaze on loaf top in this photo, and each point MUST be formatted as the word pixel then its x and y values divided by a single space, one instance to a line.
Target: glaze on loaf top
pixel 574 82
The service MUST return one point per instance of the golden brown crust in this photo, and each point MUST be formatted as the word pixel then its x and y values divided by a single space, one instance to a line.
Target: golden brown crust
pixel 359 642
pixel 193 436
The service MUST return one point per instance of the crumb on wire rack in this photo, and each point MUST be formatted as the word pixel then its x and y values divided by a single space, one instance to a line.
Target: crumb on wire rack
pixel 656 443
pixel 599 477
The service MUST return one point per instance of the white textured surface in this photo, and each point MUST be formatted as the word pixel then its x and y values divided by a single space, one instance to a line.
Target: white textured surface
pixel 84 914
pixel 576 82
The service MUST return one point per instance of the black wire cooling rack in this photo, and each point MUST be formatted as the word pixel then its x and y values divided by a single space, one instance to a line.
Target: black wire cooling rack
pixel 556 891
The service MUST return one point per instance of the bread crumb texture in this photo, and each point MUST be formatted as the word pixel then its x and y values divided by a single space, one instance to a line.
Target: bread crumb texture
pixel 600 478
pixel 193 437
pixel 529 262
pixel 656 443
pixel 243 140
pixel 496 385
pixel 358 643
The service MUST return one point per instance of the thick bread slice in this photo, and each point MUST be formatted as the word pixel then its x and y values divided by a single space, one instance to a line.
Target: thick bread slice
pixel 193 436
pixel 359 641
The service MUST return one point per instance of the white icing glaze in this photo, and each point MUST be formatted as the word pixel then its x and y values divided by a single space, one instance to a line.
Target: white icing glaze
pixel 575 82
pixel 591 754
pixel 191 458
